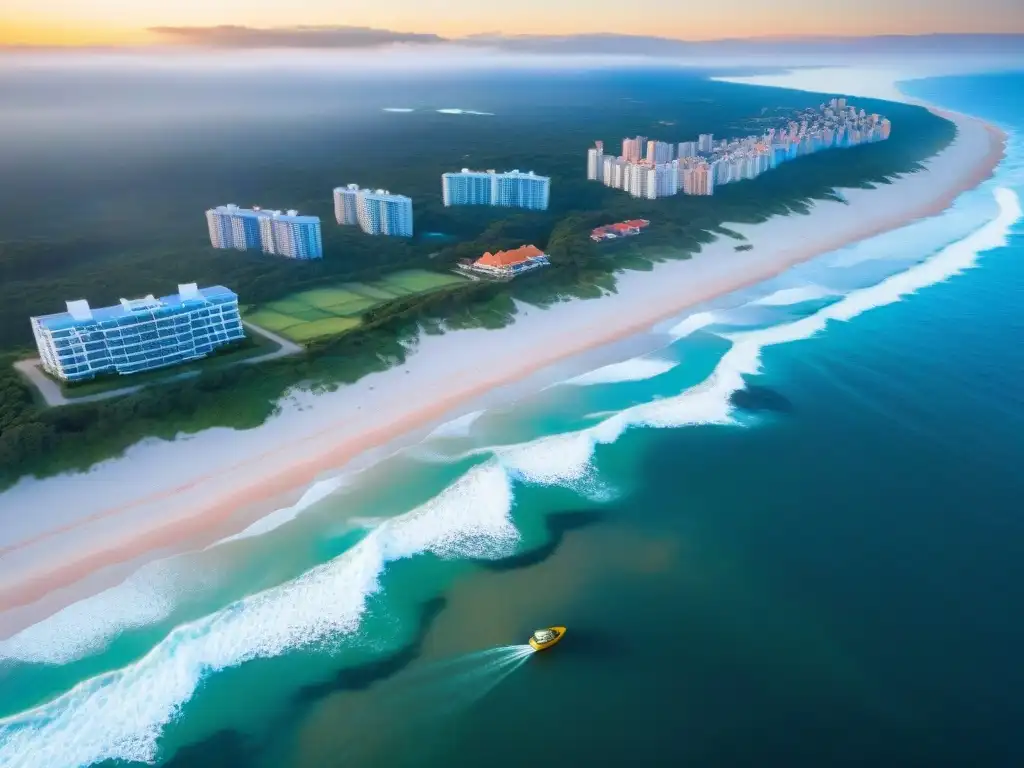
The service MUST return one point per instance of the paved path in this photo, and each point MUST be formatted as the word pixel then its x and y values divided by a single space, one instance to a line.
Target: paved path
pixel 286 347
pixel 54 396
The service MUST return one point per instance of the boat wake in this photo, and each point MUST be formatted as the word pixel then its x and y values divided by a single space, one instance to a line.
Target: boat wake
pixel 412 708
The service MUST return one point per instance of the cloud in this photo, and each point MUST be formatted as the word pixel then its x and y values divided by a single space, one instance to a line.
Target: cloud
pixel 344 37
pixel 290 37
pixel 617 44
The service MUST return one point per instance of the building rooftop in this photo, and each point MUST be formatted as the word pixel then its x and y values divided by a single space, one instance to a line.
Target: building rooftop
pixel 492 172
pixel 509 258
pixel 290 215
pixel 80 312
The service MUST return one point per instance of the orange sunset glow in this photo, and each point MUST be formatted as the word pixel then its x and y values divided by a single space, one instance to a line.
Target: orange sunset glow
pixel 116 22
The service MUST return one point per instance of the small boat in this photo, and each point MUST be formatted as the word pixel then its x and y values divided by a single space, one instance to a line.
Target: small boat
pixel 543 639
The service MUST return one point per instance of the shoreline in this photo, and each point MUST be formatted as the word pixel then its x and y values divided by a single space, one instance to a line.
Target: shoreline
pixel 228 493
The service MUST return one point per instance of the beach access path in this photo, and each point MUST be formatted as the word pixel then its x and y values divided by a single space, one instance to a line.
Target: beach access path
pixel 54 396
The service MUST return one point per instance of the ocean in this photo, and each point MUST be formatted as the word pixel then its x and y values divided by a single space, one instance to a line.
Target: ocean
pixel 789 535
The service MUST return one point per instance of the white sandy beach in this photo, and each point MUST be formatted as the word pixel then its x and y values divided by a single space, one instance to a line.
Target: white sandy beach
pixel 168 496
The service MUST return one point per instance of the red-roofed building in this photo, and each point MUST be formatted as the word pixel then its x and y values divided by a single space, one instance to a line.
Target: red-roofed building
pixel 619 229
pixel 508 264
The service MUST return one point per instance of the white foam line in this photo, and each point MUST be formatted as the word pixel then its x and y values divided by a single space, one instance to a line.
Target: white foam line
pixel 317 492
pixel 796 295
pixel 87 626
pixel 636 369
pixel 457 427
pixel 692 324
pixel 452 111
pixel 709 402
pixel 120 715
pixel 146 597
pixel 566 459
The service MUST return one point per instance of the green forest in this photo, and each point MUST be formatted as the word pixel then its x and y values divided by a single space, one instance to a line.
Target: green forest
pixel 114 253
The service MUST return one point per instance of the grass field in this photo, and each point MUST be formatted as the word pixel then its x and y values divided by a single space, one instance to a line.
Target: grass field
pixel 329 311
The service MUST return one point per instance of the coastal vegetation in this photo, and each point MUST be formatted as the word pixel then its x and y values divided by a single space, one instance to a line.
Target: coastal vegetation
pixel 368 314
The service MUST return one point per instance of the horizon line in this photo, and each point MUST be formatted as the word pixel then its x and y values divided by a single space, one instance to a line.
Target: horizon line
pixel 428 39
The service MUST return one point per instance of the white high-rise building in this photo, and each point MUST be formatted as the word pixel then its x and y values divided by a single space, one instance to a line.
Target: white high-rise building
pixel 233 227
pixel 639 180
pixel 666 180
pixel 595 163
pixel 137 334
pixel 512 189
pixel 291 235
pixel 345 205
pixel 687 149
pixel 705 142
pixel 699 180
pixel 381 213
pixel 285 234
pixel 659 152
pixel 377 212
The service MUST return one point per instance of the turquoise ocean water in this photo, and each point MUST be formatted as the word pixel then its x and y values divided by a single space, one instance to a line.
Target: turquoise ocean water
pixel 791 535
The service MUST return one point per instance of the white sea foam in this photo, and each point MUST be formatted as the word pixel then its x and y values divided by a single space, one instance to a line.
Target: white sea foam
pixel 87 626
pixel 637 369
pixel 453 111
pixel 399 109
pixel 146 597
pixel 796 295
pixel 692 324
pixel 121 714
pixel 457 427
pixel 709 402
pixel 317 492
pixel 554 460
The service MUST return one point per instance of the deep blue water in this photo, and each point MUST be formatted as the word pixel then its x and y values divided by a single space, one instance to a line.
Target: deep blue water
pixel 781 539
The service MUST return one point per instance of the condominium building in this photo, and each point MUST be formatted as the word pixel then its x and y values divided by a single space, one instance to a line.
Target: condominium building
pixel 512 189
pixel 137 335
pixel 282 233
pixel 698 180
pixel 659 152
pixel 294 236
pixel 687 149
pixel 346 205
pixel 595 161
pixel 702 165
pixel 633 149
pixel 382 213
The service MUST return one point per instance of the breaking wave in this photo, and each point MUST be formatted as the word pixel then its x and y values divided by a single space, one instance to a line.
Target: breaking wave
pixel 457 427
pixel 120 715
pixel 692 324
pixel 790 296
pixel 637 369
pixel 567 458
pixel 317 492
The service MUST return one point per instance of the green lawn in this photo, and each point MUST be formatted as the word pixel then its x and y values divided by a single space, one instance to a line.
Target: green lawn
pixel 419 281
pixel 332 310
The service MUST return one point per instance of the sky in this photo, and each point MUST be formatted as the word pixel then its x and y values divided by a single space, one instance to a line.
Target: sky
pixel 96 22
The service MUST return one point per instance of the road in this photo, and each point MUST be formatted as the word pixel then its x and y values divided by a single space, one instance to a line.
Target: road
pixel 54 396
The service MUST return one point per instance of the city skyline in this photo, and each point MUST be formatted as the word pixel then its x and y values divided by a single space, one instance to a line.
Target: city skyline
pixel 105 22
pixel 651 169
